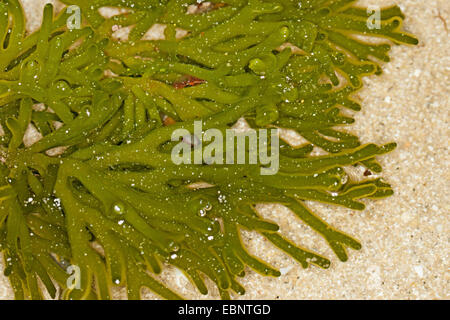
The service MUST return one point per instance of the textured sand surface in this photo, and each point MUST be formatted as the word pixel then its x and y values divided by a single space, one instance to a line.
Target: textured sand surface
pixel 406 237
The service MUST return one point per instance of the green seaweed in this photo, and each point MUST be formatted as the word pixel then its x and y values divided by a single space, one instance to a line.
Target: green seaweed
pixel 105 201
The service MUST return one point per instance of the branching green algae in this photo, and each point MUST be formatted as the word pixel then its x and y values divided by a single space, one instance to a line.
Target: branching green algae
pixel 112 202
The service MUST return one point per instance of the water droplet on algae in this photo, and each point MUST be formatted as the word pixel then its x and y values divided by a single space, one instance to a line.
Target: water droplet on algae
pixel 118 208
pixel 87 111
pixel 62 86
pixel 175 247
pixel 201 206
pixel 222 198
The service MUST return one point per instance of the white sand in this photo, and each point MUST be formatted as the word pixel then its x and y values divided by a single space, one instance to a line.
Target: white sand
pixel 405 238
